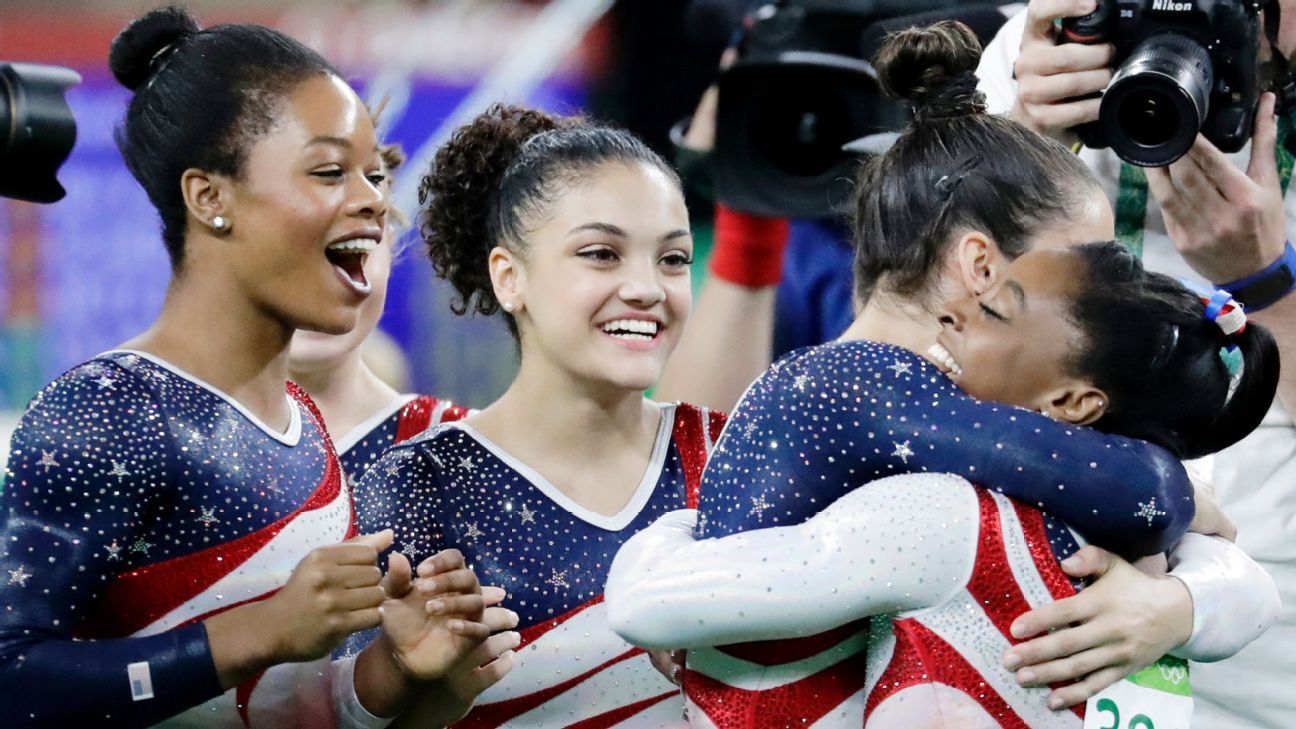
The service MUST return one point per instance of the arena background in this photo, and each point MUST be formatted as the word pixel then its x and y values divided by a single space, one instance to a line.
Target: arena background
pixel 81 276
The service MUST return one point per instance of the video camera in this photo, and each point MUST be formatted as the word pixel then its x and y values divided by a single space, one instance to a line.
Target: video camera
pixel 37 130
pixel 802 88
pixel 1183 67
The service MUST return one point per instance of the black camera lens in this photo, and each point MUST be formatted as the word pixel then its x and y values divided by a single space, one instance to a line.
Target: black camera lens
pixel 37 130
pixel 1158 100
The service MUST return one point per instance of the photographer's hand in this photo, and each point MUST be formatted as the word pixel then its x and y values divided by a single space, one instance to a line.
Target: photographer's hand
pixel 1228 224
pixel 1052 78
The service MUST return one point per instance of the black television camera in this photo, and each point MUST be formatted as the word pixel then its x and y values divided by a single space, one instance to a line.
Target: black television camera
pixel 37 130
pixel 1183 67
pixel 803 88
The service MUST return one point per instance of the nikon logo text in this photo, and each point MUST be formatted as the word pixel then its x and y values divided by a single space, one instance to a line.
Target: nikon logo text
pixel 1171 5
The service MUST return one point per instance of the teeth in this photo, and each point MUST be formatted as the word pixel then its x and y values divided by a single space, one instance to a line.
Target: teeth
pixel 354 245
pixel 632 329
pixel 942 355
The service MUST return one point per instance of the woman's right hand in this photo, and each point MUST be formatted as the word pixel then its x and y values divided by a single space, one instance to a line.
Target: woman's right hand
pixel 1053 78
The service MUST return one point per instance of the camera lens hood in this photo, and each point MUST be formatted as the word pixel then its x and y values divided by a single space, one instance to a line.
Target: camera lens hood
pixel 1158 100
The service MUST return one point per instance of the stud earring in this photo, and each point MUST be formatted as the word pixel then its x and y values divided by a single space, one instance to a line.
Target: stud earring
pixel 220 223
pixel 507 307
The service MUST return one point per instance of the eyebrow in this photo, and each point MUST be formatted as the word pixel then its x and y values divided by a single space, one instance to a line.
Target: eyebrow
pixel 336 142
pixel 614 230
pixel 1019 292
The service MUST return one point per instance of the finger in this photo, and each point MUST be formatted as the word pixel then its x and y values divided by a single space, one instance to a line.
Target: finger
pixel 1199 193
pixel 493 595
pixel 1263 167
pixel 450 559
pixel 1058 644
pixel 350 553
pixel 362 598
pixel 397 581
pixel 353 576
pixel 1083 690
pixel 1219 171
pixel 378 540
pixel 1227 529
pixel 1040 15
pixel 1055 615
pixel 491 673
pixel 470 605
pixel 497 618
pixel 1071 668
pixel 494 647
pixel 363 619
pixel 471 630
pixel 460 580
pixel 1067 58
pixel 1089 561
pixel 1063 116
pixel 1063 86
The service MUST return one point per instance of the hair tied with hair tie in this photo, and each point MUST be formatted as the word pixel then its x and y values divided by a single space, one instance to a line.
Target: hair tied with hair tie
pixel 948 183
pixel 1221 308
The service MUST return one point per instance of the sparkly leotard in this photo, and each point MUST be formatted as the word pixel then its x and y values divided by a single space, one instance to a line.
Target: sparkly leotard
pixel 139 502
pixel 455 488
pixel 827 419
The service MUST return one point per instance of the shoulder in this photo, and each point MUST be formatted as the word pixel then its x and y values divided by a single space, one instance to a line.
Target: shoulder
pixel 93 388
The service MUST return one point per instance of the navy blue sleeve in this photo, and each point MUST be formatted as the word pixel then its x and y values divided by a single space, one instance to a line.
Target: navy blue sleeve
pixel 831 418
pixel 74 501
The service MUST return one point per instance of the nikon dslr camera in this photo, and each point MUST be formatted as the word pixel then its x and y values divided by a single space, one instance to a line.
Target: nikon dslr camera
pixel 1182 67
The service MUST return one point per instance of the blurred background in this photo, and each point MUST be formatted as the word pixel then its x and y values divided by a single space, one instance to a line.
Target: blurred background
pixel 82 275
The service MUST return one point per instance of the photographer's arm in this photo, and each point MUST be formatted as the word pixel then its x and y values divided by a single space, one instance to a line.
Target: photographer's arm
pixel 1229 224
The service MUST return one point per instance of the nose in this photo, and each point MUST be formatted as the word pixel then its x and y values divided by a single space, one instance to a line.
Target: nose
pixel 954 314
pixel 367 200
pixel 641 286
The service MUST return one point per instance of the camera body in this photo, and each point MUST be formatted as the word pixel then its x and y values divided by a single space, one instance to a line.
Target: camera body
pixel 1182 67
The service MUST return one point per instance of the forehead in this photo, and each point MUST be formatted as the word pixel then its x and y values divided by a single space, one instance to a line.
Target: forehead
pixel 621 191
pixel 1090 219
pixel 325 106
pixel 1045 273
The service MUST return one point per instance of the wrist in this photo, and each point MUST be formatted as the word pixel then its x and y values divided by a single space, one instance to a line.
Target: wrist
pixel 243 643
pixel 1267 286
pixel 748 248
pixel 382 685
pixel 1181 614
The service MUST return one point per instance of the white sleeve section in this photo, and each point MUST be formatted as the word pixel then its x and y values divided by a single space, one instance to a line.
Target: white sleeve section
pixel 896 544
pixel 347 709
pixel 995 71
pixel 1234 599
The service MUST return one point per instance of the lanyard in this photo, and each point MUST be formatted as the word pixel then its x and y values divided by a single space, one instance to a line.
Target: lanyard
pixel 1132 194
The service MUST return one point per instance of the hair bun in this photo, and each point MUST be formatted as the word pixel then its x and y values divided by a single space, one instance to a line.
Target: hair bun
pixel 933 68
pixel 133 50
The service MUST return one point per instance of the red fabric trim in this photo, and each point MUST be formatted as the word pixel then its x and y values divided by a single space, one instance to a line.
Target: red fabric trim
pixel 779 652
pixel 492 715
pixel 689 442
pixel 1046 563
pixel 416 416
pixel 748 248
pixel 616 716
pixel 795 704
pixel 243 697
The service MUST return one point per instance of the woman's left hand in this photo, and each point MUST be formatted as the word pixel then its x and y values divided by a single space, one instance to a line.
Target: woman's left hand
pixel 1122 623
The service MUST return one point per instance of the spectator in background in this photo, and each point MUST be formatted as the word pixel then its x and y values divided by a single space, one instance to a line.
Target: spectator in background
pixel 1226 218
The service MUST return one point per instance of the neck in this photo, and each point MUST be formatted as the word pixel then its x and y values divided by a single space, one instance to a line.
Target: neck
pixel 242 351
pixel 346 391
pixel 578 418
pixel 889 320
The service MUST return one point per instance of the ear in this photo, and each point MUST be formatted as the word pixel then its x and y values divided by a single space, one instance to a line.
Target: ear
pixel 206 196
pixel 508 279
pixel 1079 403
pixel 979 262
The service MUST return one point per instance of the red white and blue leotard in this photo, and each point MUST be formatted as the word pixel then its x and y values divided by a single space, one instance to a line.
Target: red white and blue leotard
pixel 455 488
pixel 828 419
pixel 140 501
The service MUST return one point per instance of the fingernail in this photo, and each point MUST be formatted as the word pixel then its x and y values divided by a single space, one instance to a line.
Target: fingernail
pixel 517 638
pixel 1018 630
pixel 430 585
pixel 455 625
pixel 1025 676
pixel 1072 562
pixel 435 606
pixel 1011 661
pixel 1055 703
